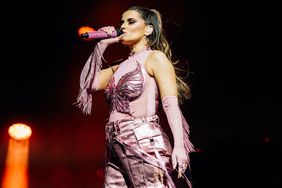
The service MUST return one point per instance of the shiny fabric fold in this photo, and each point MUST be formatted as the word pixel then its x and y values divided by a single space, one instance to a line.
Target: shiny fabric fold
pixel 128 88
pixel 122 134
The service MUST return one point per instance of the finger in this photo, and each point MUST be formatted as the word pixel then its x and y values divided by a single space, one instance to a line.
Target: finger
pixel 180 171
pixel 115 40
pixel 174 163
pixel 110 40
pixel 181 166
pixel 179 175
pixel 109 33
pixel 120 37
pixel 109 30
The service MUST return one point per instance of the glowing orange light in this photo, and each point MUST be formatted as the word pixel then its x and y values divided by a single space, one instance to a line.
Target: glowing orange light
pixel 16 169
pixel 19 131
pixel 85 29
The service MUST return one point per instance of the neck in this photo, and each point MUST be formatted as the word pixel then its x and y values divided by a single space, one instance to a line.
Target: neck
pixel 141 45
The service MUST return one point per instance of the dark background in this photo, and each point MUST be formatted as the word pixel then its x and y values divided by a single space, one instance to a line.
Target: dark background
pixel 233 112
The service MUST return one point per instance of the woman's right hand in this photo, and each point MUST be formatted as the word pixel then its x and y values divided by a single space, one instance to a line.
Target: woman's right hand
pixel 109 30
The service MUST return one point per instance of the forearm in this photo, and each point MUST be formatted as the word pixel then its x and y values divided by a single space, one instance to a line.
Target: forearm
pixel 89 78
pixel 172 111
pixel 178 125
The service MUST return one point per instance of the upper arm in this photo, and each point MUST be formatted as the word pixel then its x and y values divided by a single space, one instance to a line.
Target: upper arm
pixel 160 67
pixel 104 77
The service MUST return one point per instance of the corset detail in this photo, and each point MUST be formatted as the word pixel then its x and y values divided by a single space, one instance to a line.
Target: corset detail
pixel 129 87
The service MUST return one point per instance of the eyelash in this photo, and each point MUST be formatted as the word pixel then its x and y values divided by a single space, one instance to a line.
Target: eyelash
pixel 129 22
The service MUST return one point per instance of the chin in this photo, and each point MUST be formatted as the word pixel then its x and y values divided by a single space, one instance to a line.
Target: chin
pixel 126 42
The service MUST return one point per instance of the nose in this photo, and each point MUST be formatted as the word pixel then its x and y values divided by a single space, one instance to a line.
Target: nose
pixel 122 27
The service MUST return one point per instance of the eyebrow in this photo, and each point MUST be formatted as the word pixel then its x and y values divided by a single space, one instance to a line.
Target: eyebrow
pixel 128 19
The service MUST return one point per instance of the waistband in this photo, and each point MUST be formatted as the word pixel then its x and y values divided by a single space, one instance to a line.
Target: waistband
pixel 126 124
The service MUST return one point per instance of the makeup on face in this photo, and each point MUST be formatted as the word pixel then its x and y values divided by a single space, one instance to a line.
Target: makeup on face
pixel 133 27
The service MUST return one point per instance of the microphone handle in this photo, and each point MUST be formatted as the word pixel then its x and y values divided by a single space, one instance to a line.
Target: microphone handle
pixel 100 34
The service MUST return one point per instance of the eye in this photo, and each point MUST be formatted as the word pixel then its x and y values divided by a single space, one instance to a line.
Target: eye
pixel 131 22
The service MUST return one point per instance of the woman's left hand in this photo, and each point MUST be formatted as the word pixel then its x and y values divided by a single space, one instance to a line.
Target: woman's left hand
pixel 179 160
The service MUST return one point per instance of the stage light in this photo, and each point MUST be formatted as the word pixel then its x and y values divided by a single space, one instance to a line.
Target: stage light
pixel 16 168
pixel 84 29
pixel 19 131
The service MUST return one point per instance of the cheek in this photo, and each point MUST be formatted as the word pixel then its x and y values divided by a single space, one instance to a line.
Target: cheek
pixel 134 33
pixel 137 31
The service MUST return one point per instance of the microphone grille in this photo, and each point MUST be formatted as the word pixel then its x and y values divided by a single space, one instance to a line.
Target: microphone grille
pixel 119 31
pixel 84 35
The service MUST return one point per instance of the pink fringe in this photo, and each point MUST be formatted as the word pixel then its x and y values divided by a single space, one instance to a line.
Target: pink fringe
pixel 187 143
pixel 88 76
pixel 189 147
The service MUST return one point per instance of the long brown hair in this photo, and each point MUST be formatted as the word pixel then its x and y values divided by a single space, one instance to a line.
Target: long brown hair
pixel 158 41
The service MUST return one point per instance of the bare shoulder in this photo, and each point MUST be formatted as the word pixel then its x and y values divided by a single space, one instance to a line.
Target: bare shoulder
pixel 157 57
pixel 157 60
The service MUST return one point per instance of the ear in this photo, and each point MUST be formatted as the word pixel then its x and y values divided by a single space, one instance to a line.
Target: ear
pixel 149 30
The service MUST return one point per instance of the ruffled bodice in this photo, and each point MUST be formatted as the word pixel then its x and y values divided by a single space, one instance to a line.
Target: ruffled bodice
pixel 131 90
pixel 129 87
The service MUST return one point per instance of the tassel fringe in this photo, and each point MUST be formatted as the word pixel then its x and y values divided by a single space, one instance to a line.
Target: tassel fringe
pixel 88 75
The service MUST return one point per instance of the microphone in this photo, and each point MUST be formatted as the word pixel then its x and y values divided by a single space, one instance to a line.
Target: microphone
pixel 101 34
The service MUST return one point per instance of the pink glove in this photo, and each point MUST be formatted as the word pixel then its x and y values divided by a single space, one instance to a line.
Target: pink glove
pixel 180 131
